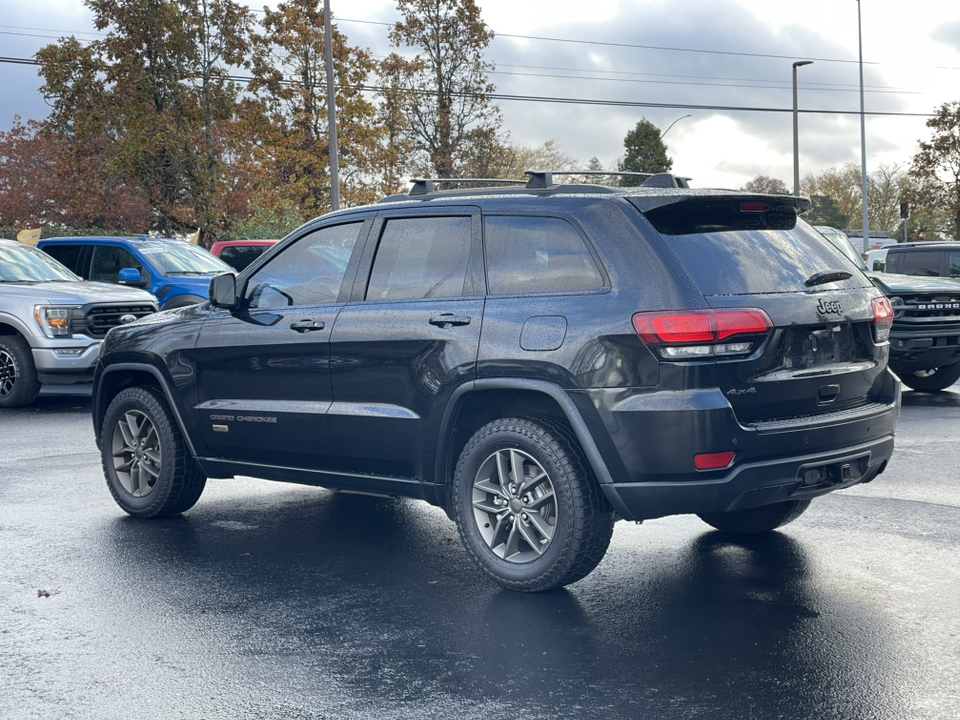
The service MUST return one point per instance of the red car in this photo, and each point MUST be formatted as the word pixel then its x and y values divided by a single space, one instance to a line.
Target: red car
pixel 240 253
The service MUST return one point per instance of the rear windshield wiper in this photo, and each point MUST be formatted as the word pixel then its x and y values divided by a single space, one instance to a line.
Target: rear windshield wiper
pixel 827 276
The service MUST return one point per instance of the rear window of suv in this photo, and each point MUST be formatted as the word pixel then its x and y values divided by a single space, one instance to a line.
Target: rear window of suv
pixel 731 253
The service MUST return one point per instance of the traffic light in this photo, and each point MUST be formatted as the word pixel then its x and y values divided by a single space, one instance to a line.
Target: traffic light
pixel 904 210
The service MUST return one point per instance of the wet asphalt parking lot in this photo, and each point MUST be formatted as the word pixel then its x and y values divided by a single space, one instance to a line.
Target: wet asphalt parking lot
pixel 269 600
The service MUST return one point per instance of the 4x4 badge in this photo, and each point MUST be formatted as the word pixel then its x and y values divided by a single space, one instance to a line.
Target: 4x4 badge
pixel 830 307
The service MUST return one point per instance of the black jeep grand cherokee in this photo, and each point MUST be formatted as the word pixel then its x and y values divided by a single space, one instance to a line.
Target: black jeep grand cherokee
pixel 539 360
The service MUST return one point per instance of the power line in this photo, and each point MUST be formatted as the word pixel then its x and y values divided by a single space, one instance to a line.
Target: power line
pixel 580 101
pixel 810 87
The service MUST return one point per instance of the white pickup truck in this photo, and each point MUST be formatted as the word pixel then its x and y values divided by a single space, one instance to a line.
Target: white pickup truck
pixel 52 324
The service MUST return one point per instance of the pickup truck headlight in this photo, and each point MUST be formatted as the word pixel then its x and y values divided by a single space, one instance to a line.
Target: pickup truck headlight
pixel 54 321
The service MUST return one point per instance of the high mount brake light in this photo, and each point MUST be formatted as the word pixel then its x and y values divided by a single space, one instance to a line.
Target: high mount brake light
pixel 882 319
pixel 699 327
pixel 754 207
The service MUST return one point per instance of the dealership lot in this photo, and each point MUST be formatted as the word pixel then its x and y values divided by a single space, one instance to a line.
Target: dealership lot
pixel 270 600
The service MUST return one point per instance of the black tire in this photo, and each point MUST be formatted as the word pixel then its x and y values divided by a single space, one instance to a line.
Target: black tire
pixel 932 380
pixel 18 375
pixel 757 520
pixel 555 527
pixel 146 462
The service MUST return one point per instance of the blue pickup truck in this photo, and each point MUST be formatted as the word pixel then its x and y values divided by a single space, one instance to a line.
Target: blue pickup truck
pixel 174 271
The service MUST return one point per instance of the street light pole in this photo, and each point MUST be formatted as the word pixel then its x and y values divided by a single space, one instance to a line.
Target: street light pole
pixel 796 129
pixel 672 124
pixel 863 141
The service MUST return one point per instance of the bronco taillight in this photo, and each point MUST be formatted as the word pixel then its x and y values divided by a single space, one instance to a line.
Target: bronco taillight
pixel 882 319
pixel 692 334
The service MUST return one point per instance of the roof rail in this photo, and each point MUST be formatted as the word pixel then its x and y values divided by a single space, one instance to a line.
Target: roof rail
pixel 542 179
pixel 424 186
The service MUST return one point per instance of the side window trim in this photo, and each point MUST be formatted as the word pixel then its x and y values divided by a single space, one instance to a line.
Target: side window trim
pixel 584 237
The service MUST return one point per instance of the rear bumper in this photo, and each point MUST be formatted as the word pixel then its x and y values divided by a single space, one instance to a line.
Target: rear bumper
pixel 652 438
pixel 755 484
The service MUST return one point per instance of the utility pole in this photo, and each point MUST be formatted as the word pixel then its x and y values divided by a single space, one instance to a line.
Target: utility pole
pixel 332 109
pixel 796 129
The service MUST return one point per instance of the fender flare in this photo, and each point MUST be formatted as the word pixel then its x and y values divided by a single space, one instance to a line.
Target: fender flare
pixel 98 412
pixel 555 392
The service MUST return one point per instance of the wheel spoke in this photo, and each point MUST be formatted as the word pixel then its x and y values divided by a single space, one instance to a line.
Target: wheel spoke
pixel 530 536
pixel 501 531
pixel 538 522
pixel 127 428
pixel 512 547
pixel 538 502
pixel 516 467
pixel 503 474
pixel 532 482
pixel 487 506
pixel 153 458
pixel 488 486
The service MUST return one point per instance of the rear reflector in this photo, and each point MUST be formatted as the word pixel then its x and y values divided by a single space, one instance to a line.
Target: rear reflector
pixel 698 327
pixel 713 461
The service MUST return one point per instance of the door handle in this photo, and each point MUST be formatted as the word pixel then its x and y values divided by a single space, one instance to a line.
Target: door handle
pixel 305 326
pixel 446 320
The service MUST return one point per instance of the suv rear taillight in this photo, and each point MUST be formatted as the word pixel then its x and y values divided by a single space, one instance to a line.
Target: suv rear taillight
pixel 882 319
pixel 692 334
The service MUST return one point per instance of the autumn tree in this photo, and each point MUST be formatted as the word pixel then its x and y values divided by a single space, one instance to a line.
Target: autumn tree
pixel 766 185
pixel 645 153
pixel 936 168
pixel 289 87
pixel 443 92
pixel 40 187
pixel 149 102
pixel 838 193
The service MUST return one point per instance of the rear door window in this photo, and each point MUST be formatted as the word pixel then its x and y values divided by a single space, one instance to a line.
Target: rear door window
pixel 421 257
pixel 68 255
pixel 537 255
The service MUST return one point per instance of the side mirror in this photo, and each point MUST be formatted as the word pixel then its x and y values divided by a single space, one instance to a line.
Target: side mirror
pixel 223 290
pixel 131 276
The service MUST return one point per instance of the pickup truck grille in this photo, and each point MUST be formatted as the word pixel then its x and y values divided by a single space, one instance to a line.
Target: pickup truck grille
pixel 96 320
pixel 919 312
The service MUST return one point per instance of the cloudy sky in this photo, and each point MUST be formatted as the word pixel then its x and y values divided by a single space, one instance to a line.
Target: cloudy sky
pixel 702 58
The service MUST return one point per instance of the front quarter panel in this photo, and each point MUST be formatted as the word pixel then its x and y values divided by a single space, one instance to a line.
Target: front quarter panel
pixel 156 350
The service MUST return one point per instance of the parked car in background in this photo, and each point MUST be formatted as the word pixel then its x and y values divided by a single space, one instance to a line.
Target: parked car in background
pixel 52 322
pixel 925 338
pixel 876 260
pixel 176 272
pixel 240 253
pixel 928 259
pixel 839 239
pixel 537 360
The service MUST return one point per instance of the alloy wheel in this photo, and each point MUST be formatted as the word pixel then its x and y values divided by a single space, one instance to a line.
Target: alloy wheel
pixel 137 457
pixel 514 506
pixel 8 373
